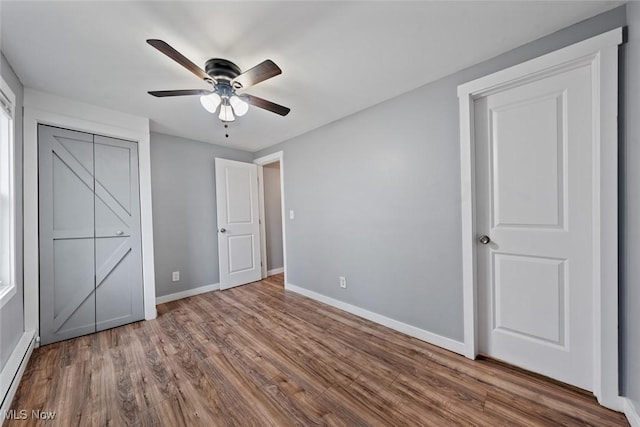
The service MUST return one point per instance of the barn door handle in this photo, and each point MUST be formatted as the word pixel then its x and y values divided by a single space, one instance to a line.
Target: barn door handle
pixel 222 230
pixel 484 239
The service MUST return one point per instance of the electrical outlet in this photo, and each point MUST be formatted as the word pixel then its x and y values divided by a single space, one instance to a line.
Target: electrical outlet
pixel 343 282
pixel 292 215
pixel 175 276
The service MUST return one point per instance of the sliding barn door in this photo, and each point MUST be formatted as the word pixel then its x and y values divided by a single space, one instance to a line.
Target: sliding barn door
pixel 90 257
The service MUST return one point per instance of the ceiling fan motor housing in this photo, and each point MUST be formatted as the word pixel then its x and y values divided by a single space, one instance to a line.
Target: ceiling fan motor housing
pixel 221 69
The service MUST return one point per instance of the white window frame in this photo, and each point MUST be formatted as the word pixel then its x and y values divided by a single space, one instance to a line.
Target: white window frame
pixel 7 291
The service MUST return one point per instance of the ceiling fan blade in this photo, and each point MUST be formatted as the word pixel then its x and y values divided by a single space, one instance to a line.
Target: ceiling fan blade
pixel 178 57
pixel 183 92
pixel 266 105
pixel 261 72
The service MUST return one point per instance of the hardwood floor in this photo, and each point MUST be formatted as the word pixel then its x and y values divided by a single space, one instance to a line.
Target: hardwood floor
pixel 257 355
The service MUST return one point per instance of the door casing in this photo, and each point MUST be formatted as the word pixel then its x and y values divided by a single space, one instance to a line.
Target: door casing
pixel 600 53
pixel 43 108
pixel 261 161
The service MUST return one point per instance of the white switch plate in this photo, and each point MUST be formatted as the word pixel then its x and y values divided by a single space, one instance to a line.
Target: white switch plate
pixel 343 282
pixel 291 214
pixel 175 276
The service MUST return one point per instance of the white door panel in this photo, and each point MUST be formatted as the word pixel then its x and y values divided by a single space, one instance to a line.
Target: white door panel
pixel 238 222
pixel 524 288
pixel 534 184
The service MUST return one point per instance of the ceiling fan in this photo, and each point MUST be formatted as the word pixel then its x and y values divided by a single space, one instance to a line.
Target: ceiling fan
pixel 225 79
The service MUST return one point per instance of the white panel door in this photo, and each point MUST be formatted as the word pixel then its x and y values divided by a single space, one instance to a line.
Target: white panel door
pixel 534 201
pixel 238 222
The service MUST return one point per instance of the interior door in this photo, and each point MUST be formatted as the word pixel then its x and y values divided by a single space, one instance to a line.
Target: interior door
pixel 238 222
pixel 66 211
pixel 90 246
pixel 533 204
pixel 119 289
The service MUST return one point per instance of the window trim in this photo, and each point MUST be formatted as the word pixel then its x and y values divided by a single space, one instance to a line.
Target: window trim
pixel 8 291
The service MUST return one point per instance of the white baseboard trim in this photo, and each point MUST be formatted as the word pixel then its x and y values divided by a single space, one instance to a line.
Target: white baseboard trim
pixel 188 293
pixel 275 271
pixel 421 334
pixel 11 374
pixel 632 412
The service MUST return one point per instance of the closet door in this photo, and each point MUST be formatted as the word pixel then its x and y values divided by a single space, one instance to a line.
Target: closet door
pixel 90 247
pixel 118 259
pixel 66 208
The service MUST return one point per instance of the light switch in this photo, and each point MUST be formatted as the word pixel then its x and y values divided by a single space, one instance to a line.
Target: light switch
pixel 291 214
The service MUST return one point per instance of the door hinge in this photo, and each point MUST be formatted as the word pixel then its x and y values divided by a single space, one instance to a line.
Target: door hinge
pixel 259 221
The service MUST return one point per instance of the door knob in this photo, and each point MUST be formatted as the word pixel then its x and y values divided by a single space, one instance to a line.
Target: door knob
pixel 119 233
pixel 222 230
pixel 484 239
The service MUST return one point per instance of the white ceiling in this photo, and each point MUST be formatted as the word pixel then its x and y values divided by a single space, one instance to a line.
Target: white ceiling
pixel 337 57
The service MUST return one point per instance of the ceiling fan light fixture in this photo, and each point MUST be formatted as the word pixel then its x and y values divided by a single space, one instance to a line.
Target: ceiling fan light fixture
pixel 226 113
pixel 240 106
pixel 225 78
pixel 210 102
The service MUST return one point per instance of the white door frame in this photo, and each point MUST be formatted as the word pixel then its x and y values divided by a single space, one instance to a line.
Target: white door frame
pixel 43 108
pixel 600 53
pixel 278 156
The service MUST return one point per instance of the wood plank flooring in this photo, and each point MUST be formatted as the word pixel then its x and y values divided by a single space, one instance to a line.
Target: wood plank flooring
pixel 259 356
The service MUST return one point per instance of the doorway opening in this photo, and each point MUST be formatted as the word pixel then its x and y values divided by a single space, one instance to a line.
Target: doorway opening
pixel 273 218
pixel 272 224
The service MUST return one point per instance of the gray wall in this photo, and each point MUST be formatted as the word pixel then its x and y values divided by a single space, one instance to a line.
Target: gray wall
pixel 12 313
pixel 273 215
pixel 630 208
pixel 377 197
pixel 184 210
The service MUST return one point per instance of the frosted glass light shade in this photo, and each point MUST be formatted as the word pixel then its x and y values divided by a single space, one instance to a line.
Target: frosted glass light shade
pixel 226 113
pixel 210 102
pixel 240 106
